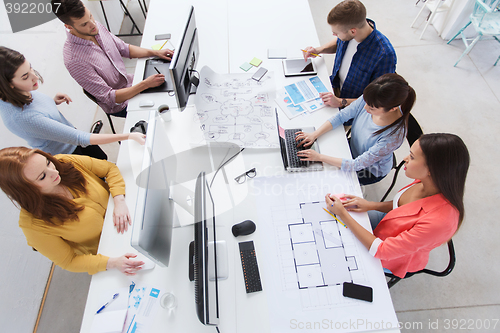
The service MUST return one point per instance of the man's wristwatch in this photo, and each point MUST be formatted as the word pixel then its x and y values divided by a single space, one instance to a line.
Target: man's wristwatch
pixel 344 102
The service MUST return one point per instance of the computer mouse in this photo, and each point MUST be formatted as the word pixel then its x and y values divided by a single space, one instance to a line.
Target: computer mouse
pixel 243 228
pixel 148 263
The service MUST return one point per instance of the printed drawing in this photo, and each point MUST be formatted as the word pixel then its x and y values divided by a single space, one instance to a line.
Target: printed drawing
pixel 235 108
pixel 319 254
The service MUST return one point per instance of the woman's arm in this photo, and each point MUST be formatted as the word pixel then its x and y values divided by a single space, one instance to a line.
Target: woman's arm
pixel 335 206
pixel 99 139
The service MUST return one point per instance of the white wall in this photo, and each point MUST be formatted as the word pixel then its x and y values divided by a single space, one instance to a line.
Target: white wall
pixel 24 272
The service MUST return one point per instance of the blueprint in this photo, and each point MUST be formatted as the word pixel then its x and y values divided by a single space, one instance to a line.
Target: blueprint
pixel 235 108
pixel 311 255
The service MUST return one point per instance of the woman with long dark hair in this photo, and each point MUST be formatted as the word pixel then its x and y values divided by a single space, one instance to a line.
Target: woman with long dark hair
pixel 63 200
pixel 422 215
pixel 380 120
pixel 34 116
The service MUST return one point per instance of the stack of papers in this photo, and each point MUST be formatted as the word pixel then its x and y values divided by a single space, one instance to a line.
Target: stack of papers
pixel 301 96
pixel 131 312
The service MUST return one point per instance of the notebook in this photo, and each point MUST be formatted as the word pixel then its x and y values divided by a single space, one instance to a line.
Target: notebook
pixel 289 149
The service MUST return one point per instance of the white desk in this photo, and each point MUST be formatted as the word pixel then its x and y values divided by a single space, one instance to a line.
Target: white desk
pixel 230 33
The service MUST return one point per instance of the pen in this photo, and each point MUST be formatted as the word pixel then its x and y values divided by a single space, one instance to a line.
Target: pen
pixel 314 54
pixel 105 305
pixel 326 210
pixel 157 70
pixel 164 44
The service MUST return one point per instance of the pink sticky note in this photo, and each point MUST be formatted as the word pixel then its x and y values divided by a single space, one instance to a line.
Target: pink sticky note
pixel 282 132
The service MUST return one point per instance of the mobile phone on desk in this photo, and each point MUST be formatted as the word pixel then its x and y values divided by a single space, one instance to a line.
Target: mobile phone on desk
pixel 358 291
pixel 162 36
pixel 259 74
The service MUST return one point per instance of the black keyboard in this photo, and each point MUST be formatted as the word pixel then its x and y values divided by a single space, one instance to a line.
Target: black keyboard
pixel 250 267
pixel 292 148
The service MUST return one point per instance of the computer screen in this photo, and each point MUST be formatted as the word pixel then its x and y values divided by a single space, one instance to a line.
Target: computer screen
pixel 204 251
pixel 184 62
pixel 154 215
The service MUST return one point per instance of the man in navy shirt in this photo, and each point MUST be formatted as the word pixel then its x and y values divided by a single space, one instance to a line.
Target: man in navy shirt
pixel 362 53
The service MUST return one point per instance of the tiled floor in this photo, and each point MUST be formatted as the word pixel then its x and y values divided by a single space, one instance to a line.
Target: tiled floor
pixel 461 100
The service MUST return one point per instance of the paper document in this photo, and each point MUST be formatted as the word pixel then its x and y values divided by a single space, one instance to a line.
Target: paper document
pixel 112 318
pixel 313 87
pixel 305 90
pixel 234 108
pixel 145 305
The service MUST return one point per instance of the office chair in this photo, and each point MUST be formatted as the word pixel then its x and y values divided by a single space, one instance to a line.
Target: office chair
pixel 107 114
pixel 394 279
pixel 414 132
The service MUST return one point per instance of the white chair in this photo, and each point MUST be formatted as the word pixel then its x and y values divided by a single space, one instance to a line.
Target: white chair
pixel 485 19
pixel 434 6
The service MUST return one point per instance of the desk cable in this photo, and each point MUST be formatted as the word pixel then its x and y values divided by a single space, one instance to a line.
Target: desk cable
pixel 226 162
pixel 217 328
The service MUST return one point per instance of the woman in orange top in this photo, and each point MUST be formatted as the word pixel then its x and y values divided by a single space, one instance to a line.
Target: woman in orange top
pixel 63 200
pixel 423 215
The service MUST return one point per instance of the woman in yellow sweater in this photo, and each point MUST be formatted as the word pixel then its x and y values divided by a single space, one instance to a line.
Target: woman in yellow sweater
pixel 63 201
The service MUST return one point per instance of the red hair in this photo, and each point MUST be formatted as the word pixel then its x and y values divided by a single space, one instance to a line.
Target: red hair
pixel 50 208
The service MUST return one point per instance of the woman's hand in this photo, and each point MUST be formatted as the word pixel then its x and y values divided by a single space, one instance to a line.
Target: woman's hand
pixel 137 137
pixel 125 265
pixel 121 215
pixel 356 204
pixel 309 155
pixel 61 98
pixel 305 139
pixel 334 205
pixel 330 99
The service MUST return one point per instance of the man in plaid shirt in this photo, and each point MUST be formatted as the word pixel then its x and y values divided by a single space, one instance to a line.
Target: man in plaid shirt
pixel 362 53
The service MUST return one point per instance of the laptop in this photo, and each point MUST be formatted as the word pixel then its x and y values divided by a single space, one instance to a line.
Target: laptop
pixel 289 149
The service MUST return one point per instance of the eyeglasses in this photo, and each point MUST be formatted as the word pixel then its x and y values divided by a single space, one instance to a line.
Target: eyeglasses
pixel 243 177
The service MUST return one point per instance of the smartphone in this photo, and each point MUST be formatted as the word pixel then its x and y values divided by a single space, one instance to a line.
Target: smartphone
pixel 163 36
pixel 358 291
pixel 259 74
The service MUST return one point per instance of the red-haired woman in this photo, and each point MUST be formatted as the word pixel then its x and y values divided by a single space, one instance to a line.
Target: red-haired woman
pixel 63 200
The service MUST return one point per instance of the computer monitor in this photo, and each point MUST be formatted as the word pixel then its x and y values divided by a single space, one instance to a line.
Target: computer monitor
pixel 154 215
pixel 203 255
pixel 184 62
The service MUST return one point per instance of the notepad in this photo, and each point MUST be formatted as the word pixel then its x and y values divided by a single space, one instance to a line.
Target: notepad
pixel 246 66
pixel 112 318
pixel 255 62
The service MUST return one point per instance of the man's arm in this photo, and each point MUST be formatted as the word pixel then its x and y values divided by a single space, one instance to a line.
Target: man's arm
pixel 139 52
pixel 124 94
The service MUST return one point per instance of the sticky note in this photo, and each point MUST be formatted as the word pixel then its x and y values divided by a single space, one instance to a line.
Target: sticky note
pixel 156 46
pixel 246 66
pixel 255 62
pixel 281 132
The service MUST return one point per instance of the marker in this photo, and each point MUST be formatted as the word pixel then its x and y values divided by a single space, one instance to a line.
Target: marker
pixel 314 54
pixel 326 210
pixel 105 305
pixel 156 69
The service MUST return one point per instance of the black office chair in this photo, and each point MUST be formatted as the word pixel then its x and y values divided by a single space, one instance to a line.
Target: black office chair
pixel 91 97
pixel 414 132
pixel 394 279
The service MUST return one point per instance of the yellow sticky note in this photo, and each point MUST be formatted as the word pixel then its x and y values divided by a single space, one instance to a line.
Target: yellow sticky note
pixel 156 46
pixel 255 62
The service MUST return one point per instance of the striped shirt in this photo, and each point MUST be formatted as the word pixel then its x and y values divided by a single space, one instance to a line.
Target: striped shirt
pixel 374 57
pixel 99 70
